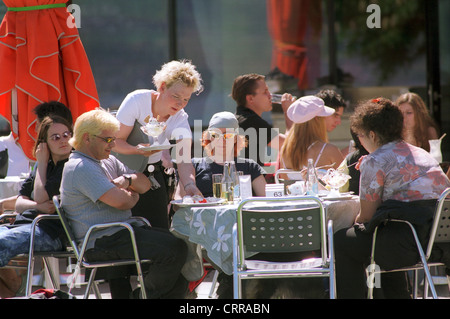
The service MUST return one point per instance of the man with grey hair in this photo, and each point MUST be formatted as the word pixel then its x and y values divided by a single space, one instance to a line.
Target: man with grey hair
pixel 97 188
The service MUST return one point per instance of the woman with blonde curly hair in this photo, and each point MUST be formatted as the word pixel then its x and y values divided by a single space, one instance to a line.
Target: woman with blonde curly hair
pixel 418 126
pixel 175 82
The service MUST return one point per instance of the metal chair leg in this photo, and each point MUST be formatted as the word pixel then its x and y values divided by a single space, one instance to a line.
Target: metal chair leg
pixel 213 284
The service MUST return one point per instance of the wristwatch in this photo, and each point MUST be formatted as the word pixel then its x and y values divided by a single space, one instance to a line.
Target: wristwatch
pixel 128 177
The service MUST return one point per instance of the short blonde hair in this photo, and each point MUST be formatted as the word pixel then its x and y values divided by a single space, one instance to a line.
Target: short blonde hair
pixel 93 123
pixel 179 71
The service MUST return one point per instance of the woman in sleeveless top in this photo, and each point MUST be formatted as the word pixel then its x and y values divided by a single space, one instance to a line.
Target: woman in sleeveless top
pixel 308 137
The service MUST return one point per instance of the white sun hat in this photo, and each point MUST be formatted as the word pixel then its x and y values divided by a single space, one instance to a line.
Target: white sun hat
pixel 308 107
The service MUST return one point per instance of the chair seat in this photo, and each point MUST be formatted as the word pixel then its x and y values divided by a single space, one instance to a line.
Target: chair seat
pixel 309 263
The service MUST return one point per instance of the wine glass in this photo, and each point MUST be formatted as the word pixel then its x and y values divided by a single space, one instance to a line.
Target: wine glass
pixel 154 128
pixel 335 179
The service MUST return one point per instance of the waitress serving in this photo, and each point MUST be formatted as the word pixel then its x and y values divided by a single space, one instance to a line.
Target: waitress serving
pixel 175 82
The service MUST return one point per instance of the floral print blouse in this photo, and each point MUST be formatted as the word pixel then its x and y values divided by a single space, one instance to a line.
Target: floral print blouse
pixel 403 172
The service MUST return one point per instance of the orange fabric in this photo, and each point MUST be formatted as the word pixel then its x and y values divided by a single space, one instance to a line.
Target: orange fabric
pixel 287 22
pixel 43 59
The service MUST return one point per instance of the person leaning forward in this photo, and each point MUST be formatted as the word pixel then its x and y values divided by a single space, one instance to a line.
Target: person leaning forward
pixel 97 188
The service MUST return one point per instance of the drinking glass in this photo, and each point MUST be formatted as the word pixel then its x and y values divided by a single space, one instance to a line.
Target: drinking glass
pixel 217 185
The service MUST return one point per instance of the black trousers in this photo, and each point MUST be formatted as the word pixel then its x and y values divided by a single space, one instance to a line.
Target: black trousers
pixel 395 247
pixel 162 277
pixel 153 204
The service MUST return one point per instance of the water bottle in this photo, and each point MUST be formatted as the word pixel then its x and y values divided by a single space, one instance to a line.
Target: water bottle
pixel 312 183
pixel 227 184
pixel 235 177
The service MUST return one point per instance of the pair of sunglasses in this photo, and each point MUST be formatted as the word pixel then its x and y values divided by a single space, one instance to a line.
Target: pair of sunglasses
pixel 217 135
pixel 57 137
pixel 108 140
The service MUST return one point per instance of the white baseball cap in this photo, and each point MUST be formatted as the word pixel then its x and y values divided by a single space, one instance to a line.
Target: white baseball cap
pixel 223 120
pixel 308 107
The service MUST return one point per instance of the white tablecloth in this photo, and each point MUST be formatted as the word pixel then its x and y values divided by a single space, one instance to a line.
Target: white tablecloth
pixel 10 186
pixel 210 227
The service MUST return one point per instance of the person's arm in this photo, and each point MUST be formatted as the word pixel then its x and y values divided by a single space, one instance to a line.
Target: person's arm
pixel 286 101
pixel 367 211
pixel 120 198
pixel 432 133
pixel 186 174
pixel 259 186
pixel 8 203
pixel 139 182
pixel 371 190
pixel 277 142
pixel 24 203
pixel 186 171
pixel 40 194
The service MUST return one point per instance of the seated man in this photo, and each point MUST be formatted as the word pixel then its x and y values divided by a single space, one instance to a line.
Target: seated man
pixel 97 188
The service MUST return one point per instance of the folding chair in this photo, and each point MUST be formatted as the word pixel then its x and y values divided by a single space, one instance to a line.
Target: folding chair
pixel 283 171
pixel 17 262
pixel 93 266
pixel 439 233
pixel 296 226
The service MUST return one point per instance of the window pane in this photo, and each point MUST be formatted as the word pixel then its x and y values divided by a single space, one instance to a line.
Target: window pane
pixel 392 55
pixel 126 42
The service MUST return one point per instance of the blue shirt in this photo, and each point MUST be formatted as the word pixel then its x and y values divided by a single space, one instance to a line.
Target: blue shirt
pixel 205 168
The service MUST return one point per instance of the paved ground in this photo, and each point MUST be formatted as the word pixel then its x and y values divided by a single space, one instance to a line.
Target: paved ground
pixel 203 291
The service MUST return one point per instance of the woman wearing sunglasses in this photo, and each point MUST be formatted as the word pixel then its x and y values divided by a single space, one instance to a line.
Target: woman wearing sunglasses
pixel 221 143
pixel 51 151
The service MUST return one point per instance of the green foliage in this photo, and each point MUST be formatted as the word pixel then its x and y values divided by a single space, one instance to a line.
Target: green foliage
pixel 396 45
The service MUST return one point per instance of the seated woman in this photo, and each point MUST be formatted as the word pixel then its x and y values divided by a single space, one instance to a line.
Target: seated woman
pixel 418 125
pixel 308 137
pixel 51 150
pixel 222 143
pixel 396 178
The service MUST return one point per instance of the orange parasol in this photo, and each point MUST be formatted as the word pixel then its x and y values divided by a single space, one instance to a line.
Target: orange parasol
pixel 41 59
pixel 287 23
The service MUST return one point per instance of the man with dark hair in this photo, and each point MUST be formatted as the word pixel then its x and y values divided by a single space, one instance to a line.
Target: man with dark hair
pixel 53 107
pixel 253 98
pixel 334 100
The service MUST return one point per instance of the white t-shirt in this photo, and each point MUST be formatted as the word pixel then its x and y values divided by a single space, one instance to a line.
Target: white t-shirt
pixel 137 105
pixel 18 163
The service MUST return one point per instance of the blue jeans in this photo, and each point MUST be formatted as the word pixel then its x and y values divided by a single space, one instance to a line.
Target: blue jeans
pixel 16 241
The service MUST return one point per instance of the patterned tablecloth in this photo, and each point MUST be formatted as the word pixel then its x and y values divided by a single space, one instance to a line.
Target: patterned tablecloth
pixel 210 228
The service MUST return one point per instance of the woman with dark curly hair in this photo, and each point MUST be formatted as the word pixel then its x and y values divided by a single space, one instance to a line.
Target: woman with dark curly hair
pixel 398 179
